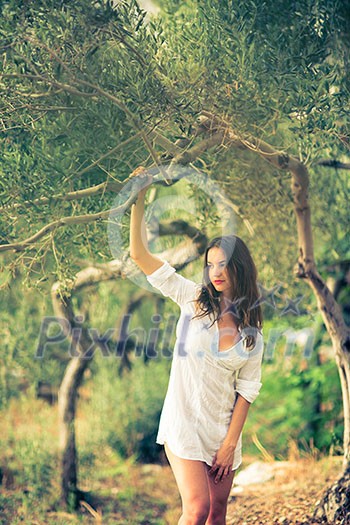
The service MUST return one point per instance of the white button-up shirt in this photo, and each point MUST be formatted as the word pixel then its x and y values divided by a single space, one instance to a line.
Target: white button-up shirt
pixel 203 381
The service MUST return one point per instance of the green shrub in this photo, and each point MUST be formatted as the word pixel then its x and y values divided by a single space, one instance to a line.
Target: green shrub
pixel 123 412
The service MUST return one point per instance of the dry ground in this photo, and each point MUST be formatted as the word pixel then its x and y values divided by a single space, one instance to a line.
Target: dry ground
pixel 287 499
pixel 147 495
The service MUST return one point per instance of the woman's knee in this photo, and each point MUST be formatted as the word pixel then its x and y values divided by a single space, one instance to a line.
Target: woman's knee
pixel 196 511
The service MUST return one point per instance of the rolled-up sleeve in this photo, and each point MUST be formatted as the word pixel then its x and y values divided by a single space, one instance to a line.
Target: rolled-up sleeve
pixel 173 285
pixel 248 382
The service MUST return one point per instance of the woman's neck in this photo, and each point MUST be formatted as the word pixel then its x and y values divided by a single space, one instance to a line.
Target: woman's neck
pixel 224 303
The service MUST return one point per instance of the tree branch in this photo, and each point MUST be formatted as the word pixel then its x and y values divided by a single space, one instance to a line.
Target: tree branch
pixel 189 155
pixel 66 221
pixel 182 158
pixel 179 257
pixel 281 160
pixel 111 185
pixel 97 90
pixel 336 164
pixel 73 195
pixel 51 82
pixel 131 48
pixel 136 123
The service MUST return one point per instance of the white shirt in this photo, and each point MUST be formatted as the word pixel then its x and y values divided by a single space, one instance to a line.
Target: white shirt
pixel 203 381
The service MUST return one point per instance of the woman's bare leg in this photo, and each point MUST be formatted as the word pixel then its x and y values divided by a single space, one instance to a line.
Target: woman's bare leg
pixel 192 481
pixel 219 494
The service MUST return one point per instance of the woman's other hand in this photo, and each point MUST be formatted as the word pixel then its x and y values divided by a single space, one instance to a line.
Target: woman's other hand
pixel 222 462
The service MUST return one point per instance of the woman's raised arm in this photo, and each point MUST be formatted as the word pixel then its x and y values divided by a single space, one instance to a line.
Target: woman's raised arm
pixel 139 252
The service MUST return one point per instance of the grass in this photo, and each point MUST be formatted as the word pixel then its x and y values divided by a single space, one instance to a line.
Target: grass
pixel 116 488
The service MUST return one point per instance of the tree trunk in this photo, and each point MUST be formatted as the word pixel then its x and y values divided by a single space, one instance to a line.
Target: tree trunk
pixel 78 334
pixel 335 503
pixel 334 508
pixel 70 495
pixel 340 338
pixel 68 391
pixel 67 398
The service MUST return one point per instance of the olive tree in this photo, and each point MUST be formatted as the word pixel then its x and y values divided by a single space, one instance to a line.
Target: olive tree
pixel 255 94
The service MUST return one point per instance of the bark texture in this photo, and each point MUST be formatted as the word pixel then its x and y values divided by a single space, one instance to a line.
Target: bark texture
pixel 334 507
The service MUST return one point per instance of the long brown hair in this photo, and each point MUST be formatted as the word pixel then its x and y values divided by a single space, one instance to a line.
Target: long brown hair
pixel 243 275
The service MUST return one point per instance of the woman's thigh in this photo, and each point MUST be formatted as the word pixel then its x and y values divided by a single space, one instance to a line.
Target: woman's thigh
pixel 220 491
pixel 191 478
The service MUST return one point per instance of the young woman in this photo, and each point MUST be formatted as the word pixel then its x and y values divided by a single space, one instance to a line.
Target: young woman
pixel 216 368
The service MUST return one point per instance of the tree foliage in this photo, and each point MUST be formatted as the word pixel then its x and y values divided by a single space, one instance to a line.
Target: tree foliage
pixel 84 82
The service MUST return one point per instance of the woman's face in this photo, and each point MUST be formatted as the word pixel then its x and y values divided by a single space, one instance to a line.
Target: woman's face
pixel 217 270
